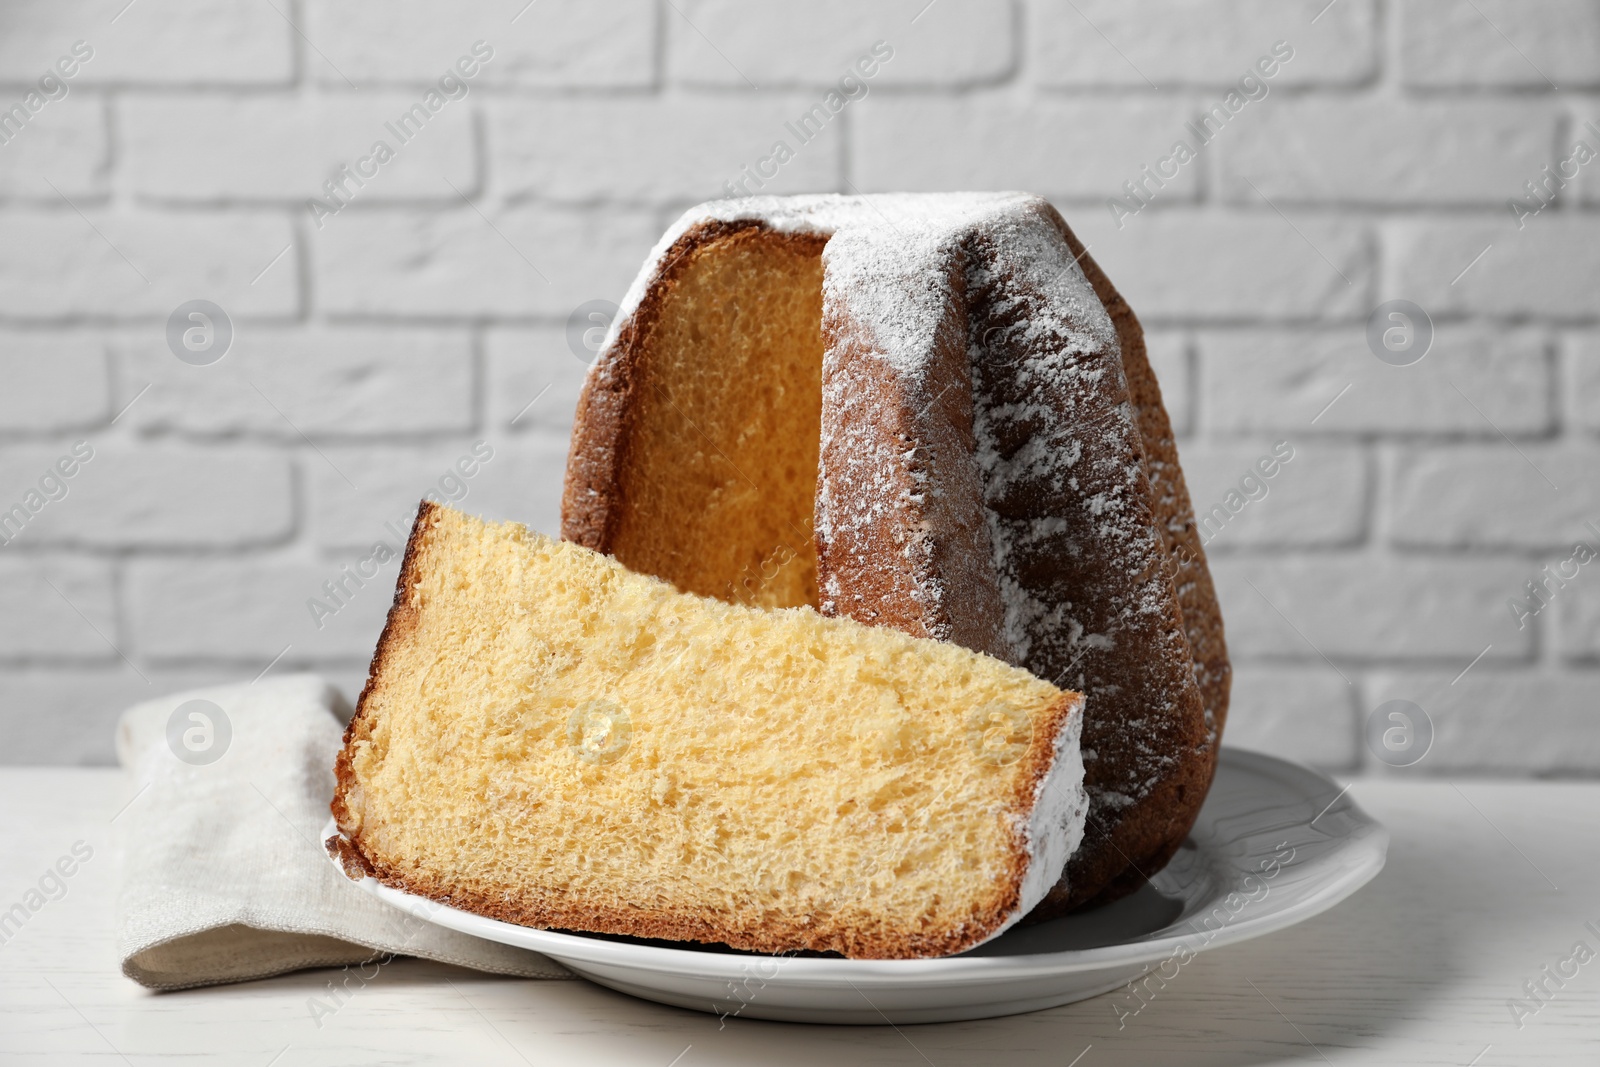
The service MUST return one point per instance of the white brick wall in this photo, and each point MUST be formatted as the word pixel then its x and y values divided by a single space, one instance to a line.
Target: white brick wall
pixel 1100 44
pixel 1500 44
pixel 371 351
pixel 652 150
pixel 225 43
pixel 1067 149
pixel 281 147
pixel 724 43
pixel 597 44
pixel 1309 151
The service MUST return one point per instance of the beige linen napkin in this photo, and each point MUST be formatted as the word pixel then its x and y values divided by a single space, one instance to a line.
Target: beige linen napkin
pixel 224 877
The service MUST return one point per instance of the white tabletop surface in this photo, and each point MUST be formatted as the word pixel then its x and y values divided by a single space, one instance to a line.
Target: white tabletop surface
pixel 1487 884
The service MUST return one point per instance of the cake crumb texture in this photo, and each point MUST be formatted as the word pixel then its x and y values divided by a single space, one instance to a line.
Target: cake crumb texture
pixel 550 739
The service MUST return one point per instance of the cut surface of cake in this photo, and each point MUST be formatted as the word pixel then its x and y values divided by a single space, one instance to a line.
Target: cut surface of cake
pixel 932 413
pixel 550 739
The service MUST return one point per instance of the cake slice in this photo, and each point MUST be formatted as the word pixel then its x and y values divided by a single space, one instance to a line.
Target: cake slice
pixel 550 739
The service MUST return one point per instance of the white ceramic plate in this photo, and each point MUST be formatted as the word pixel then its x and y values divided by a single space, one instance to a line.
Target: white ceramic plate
pixel 1274 845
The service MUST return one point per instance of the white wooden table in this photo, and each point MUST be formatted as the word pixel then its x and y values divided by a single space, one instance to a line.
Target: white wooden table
pixel 1487 884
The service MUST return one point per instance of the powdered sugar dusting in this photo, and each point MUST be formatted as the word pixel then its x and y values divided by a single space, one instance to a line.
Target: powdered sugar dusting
pixel 1057 443
pixel 885 256
pixel 1060 808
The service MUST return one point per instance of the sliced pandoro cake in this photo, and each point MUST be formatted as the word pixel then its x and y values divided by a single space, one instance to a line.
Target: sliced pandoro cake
pixel 929 412
pixel 550 739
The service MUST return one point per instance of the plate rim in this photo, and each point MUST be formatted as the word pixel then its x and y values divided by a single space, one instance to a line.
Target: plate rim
pixel 1367 843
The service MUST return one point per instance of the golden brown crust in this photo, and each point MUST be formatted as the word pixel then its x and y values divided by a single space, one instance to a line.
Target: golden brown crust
pixel 1170 501
pixel 1173 809
pixel 1144 738
pixel 349 857
pixel 775 933
pixel 878 571
pixel 402 620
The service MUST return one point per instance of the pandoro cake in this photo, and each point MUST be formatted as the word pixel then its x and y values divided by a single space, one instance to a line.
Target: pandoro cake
pixel 931 413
